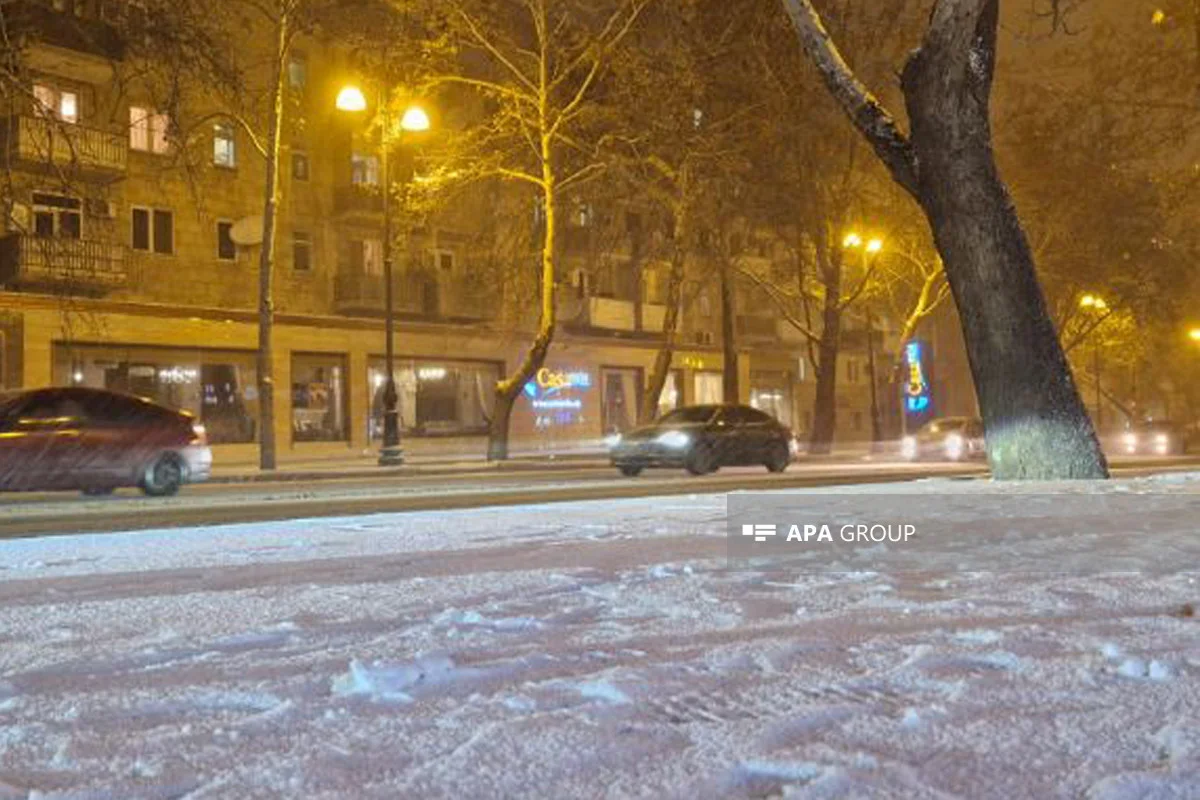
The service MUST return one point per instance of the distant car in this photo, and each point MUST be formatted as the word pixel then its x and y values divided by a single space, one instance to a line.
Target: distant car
pixel 1161 438
pixel 97 441
pixel 946 439
pixel 702 439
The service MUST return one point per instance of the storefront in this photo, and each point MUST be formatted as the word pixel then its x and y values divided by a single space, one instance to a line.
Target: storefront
pixel 621 398
pixel 319 398
pixel 709 388
pixel 219 387
pixel 436 397
pixel 771 392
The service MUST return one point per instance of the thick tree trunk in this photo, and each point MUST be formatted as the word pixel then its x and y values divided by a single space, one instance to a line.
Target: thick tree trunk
pixel 730 384
pixel 266 265
pixel 820 441
pixel 1037 426
pixel 666 351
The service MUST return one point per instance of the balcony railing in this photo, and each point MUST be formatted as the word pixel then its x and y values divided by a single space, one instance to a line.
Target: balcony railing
pixel 756 328
pixel 51 143
pixel 74 265
pixel 414 294
pixel 357 199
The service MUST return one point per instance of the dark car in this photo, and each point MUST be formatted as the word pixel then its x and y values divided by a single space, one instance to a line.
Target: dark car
pixel 96 441
pixel 1159 438
pixel 946 439
pixel 701 439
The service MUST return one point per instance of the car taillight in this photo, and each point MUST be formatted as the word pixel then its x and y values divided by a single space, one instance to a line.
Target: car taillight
pixel 199 434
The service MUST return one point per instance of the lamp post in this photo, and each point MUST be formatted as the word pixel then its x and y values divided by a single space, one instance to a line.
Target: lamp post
pixel 854 241
pixel 415 119
pixel 1091 302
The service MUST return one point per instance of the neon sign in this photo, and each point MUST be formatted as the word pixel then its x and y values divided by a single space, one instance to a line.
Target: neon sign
pixel 553 391
pixel 917 395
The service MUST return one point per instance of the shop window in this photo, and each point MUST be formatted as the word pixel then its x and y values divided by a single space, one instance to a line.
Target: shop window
pixel 224 145
pixel 621 394
pixel 219 388
pixel 319 398
pixel 671 397
pixel 435 398
pixel 709 388
pixel 226 248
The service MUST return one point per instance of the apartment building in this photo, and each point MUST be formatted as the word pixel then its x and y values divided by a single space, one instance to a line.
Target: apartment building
pixel 121 267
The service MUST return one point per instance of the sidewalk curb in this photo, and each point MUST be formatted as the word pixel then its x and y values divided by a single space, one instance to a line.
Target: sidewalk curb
pixel 406 471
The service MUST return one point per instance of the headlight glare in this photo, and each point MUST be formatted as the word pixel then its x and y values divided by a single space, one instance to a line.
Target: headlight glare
pixel 674 439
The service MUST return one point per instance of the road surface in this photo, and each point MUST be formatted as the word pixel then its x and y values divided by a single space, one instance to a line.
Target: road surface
pixel 59 513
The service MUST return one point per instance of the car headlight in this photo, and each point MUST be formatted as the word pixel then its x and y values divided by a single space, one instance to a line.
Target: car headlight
pixel 955 445
pixel 612 440
pixel 1130 440
pixel 908 447
pixel 1162 438
pixel 674 439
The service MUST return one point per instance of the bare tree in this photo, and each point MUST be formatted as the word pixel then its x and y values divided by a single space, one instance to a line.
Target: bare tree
pixel 538 64
pixel 1036 422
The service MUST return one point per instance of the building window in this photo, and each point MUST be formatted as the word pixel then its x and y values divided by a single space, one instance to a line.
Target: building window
pixel 299 165
pixel 709 388
pixel 445 260
pixel 148 130
pixel 56 215
pixel 56 104
pixel 224 145
pixel 219 388
pixel 302 251
pixel 366 256
pixel 435 398
pixel 153 230
pixel 226 249
pixel 364 170
pixel 319 398
pixel 297 71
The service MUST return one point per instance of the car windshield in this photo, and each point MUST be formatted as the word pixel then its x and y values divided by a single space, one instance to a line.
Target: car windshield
pixel 690 415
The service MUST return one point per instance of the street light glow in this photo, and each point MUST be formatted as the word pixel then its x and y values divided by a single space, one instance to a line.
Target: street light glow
pixel 1093 301
pixel 1194 334
pixel 351 98
pixel 874 246
pixel 415 119
pixel 852 240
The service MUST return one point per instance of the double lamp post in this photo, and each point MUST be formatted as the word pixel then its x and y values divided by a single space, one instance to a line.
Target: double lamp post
pixel 413 120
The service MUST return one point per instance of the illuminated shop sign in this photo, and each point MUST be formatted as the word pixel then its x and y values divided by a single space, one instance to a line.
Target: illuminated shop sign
pixel 917 394
pixel 556 391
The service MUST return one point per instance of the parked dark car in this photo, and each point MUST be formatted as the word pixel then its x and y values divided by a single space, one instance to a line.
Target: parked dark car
pixel 97 441
pixel 946 439
pixel 1159 438
pixel 702 439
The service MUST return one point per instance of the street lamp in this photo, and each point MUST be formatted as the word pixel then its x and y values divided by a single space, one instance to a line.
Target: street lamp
pixel 1097 304
pixel 414 119
pixel 853 241
pixel 1194 335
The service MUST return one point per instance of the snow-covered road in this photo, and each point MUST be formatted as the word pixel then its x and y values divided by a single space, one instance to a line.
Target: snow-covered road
pixel 601 649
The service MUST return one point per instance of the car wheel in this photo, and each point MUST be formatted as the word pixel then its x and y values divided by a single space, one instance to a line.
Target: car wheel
pixel 99 491
pixel 778 458
pixel 164 476
pixel 701 461
pixel 630 470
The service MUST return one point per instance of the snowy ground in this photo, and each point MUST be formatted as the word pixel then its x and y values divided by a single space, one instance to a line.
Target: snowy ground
pixel 599 649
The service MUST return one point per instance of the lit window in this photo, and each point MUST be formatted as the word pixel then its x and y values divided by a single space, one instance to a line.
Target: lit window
pixel 372 257
pixel 50 102
pixel 364 170
pixel 301 251
pixel 297 71
pixel 224 145
pixel 68 107
pixel 148 130
pixel 299 165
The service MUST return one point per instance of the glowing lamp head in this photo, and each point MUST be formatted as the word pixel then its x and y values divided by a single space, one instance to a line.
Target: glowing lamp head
pixel 874 246
pixel 415 120
pixel 852 240
pixel 351 98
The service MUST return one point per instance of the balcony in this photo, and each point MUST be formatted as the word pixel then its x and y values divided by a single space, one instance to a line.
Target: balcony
pixel 756 328
pixel 76 266
pixel 75 29
pixel 358 200
pixel 609 314
pixel 357 293
pixel 52 145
